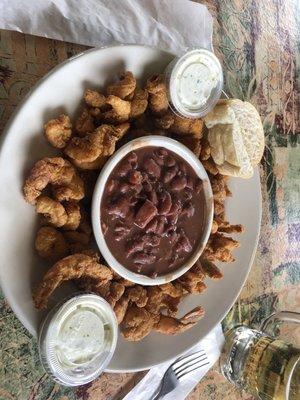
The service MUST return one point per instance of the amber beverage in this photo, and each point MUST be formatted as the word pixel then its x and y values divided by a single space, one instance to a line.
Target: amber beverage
pixel 264 366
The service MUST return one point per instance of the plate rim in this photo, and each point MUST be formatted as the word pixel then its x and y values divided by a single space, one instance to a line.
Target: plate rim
pixel 3 139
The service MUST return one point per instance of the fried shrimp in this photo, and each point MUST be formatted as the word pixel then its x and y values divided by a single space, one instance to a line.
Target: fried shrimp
pixel 120 308
pixel 73 191
pixel 87 149
pixel 125 87
pixel 75 266
pixel 138 323
pixel 171 326
pixel 139 103
pixel 56 170
pixel 74 216
pixel 186 126
pixel 50 243
pixel 84 123
pixel 138 295
pixel 120 110
pixel 53 212
pixel 58 131
pixel 77 241
pixel 94 98
pixel 158 100
pixel 211 270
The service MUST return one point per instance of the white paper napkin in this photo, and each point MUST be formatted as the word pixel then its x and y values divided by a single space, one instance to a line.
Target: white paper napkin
pixel 212 344
pixel 172 25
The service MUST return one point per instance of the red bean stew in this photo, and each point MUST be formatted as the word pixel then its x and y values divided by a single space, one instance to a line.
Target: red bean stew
pixel 152 211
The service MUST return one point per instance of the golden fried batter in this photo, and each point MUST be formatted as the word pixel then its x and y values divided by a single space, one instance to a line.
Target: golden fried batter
pixel 101 142
pixel 77 241
pixel 73 191
pixel 192 282
pixel 121 129
pixel 210 166
pixel 54 212
pixel 75 266
pixel 137 323
pixel 84 123
pixel 139 103
pixel 171 326
pixel 94 98
pixel 125 87
pixel 91 166
pixel 186 126
pixel 158 99
pixel 166 120
pixel 58 131
pixel 205 150
pixel 211 270
pixel 138 295
pixel 74 216
pixel 192 143
pixel 56 170
pixel 50 243
pixel 120 110
pixel 120 308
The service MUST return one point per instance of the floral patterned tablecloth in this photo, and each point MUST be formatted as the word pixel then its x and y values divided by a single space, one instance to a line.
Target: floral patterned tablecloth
pixel 258 42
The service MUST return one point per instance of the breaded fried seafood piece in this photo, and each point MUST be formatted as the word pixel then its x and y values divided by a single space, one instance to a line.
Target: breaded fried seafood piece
pixel 119 112
pixel 75 266
pixel 50 243
pixel 58 131
pixel 138 323
pixel 94 98
pixel 124 88
pixel 90 147
pixel 84 123
pixel 77 241
pixel 158 99
pixel 72 191
pixel 171 326
pixel 74 216
pixel 53 212
pixel 139 103
pixel 56 170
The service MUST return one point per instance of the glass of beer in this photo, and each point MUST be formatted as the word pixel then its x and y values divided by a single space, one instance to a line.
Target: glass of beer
pixel 261 364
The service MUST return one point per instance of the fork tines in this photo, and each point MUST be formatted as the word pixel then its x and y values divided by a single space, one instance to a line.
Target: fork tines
pixel 190 363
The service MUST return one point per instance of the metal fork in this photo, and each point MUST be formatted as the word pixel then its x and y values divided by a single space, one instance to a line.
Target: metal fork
pixel 176 371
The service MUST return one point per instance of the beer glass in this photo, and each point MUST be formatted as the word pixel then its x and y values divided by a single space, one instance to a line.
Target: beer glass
pixel 260 363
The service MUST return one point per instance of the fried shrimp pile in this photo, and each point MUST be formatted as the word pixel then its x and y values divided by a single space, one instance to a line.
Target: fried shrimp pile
pixel 61 188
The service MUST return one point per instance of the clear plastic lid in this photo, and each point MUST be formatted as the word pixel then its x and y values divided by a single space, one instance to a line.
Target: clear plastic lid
pixel 77 339
pixel 194 83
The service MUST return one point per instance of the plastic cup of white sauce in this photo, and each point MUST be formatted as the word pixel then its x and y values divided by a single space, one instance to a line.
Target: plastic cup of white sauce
pixel 77 339
pixel 194 83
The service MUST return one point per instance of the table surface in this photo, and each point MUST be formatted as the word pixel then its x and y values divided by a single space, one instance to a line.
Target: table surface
pixel 258 44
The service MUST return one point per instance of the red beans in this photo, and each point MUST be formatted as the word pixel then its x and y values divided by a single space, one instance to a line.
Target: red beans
pixel 149 210
pixel 145 214
pixel 120 207
pixel 152 168
pixel 165 203
pixel 135 177
pixel 169 174
pixel 178 183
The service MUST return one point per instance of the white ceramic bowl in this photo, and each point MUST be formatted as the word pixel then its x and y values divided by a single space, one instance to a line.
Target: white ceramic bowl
pixel 193 161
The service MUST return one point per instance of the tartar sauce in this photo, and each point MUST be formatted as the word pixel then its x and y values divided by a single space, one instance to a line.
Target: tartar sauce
pixel 77 339
pixel 195 83
pixel 81 336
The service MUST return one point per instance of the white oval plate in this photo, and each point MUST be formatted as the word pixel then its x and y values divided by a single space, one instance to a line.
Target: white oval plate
pixel 23 144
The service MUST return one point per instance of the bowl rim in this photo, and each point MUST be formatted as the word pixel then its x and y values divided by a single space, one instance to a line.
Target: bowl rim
pixel 182 151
